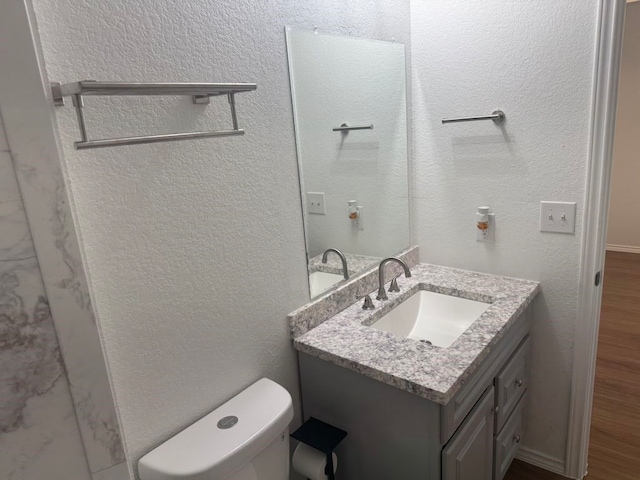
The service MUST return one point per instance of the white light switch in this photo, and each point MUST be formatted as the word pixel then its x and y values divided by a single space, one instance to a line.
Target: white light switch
pixel 315 203
pixel 559 217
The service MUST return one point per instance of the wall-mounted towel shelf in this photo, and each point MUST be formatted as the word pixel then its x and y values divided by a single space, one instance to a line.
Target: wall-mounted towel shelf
pixel 497 116
pixel 200 93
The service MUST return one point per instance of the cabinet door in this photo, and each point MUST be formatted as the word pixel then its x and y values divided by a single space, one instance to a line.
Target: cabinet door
pixel 469 454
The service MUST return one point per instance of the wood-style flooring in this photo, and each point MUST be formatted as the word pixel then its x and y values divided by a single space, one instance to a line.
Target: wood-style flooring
pixel 523 471
pixel 614 450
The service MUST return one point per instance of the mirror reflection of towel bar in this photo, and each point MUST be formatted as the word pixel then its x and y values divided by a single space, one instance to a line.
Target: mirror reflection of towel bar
pixel 345 127
pixel 497 116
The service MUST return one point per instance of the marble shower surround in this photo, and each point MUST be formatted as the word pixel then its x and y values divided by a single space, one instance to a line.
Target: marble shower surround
pixel 28 123
pixel 428 371
pixel 327 305
pixel 30 360
pixel 39 436
pixel 60 267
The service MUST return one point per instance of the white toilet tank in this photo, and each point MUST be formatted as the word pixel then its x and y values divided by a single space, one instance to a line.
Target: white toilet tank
pixel 247 438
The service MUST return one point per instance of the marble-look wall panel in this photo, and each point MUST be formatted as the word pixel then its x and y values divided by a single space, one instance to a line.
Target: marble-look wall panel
pixel 73 315
pixel 39 436
pixel 65 283
pixel 30 130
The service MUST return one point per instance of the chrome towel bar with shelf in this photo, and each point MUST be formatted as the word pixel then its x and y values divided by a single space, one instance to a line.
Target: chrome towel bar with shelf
pixel 200 93
pixel 497 116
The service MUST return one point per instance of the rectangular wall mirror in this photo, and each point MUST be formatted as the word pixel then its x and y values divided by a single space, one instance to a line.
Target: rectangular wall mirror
pixel 349 102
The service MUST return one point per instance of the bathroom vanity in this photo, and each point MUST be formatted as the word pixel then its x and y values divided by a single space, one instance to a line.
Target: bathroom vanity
pixel 414 410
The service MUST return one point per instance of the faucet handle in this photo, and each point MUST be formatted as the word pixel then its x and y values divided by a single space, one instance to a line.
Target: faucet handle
pixel 368 303
pixel 394 285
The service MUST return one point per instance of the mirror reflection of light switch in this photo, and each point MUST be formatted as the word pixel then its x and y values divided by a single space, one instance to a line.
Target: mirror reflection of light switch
pixel 315 203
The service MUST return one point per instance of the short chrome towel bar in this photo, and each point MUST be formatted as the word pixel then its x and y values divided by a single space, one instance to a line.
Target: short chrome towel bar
pixel 497 116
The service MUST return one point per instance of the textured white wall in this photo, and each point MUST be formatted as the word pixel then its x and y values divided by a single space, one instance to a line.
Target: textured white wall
pixel 194 250
pixel 342 79
pixel 534 60
pixel 624 227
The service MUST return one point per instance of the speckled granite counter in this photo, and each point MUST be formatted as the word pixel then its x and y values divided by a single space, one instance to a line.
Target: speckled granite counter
pixel 428 371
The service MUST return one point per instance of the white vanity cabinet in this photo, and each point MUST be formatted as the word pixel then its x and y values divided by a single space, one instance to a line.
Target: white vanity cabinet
pixel 393 433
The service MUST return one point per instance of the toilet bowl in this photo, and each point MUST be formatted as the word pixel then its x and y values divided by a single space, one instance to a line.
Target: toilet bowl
pixel 247 438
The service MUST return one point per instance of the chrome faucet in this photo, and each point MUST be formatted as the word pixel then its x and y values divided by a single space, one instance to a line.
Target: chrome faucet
pixel 382 295
pixel 345 271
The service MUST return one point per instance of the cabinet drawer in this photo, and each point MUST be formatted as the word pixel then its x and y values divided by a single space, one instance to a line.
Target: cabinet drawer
pixel 511 383
pixel 508 441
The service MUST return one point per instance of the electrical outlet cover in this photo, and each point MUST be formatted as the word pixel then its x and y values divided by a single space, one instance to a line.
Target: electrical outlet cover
pixel 489 235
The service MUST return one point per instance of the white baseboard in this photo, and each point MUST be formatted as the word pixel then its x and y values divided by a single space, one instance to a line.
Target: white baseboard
pixel 623 248
pixel 541 460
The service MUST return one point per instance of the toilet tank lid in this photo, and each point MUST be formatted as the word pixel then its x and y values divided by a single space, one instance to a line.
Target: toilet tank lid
pixel 215 446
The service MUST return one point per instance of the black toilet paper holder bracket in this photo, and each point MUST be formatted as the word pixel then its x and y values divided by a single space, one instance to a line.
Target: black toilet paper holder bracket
pixel 321 436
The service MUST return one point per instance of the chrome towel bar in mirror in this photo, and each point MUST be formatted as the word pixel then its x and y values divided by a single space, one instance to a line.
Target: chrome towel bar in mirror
pixel 346 127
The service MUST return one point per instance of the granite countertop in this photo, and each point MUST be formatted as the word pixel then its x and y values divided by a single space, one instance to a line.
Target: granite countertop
pixel 428 371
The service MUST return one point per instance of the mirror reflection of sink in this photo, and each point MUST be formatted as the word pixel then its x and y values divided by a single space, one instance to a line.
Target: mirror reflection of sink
pixel 432 317
pixel 322 281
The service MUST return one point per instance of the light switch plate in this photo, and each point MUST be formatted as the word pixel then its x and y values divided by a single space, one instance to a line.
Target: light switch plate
pixel 315 203
pixel 558 217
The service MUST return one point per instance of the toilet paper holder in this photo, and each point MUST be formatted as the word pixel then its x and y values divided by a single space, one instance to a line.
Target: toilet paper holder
pixel 321 436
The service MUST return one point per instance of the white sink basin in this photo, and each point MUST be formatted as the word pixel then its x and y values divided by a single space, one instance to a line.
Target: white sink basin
pixel 433 317
pixel 322 281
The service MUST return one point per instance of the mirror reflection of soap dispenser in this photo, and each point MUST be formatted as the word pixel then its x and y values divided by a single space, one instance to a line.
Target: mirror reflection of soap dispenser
pixel 355 213
pixel 485 225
